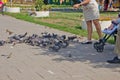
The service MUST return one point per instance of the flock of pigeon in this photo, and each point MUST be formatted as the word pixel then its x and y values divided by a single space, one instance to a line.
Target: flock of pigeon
pixel 53 42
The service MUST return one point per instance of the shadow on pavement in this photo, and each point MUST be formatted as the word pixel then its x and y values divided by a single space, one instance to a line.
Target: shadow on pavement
pixel 86 54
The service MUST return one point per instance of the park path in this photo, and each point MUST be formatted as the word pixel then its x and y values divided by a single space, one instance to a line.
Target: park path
pixel 32 63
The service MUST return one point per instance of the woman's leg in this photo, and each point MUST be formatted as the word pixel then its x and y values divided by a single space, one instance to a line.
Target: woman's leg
pixel 89 29
pixel 98 28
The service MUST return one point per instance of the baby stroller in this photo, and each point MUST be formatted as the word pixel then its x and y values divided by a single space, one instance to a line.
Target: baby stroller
pixel 99 46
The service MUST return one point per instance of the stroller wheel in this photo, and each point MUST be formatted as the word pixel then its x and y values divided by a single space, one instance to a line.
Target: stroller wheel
pixel 96 44
pixel 99 46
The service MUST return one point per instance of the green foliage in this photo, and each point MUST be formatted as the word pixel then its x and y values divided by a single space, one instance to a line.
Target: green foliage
pixel 39 4
pixel 46 7
pixel 61 6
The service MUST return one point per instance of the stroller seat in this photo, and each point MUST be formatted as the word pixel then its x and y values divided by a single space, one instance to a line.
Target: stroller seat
pixel 99 46
pixel 108 31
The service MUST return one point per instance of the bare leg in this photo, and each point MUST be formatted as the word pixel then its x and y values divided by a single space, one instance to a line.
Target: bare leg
pixel 98 28
pixel 61 1
pixel 110 27
pixel 89 29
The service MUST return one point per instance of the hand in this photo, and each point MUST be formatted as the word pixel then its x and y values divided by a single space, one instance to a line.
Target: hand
pixel 76 6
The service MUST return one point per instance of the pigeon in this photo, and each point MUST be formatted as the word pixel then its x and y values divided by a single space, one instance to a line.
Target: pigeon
pixel 2 42
pixel 22 35
pixel 9 56
pixel 55 48
pixel 71 38
pixel 9 32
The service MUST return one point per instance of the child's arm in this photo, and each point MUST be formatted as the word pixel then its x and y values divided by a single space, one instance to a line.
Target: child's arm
pixel 116 22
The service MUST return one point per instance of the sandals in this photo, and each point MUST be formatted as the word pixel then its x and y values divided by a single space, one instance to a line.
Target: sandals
pixel 86 42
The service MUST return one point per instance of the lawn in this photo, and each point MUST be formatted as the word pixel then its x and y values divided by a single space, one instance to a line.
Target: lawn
pixel 65 21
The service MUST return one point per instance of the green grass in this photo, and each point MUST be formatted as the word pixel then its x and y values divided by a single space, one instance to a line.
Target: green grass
pixel 65 21
pixel 61 6
pixel 44 21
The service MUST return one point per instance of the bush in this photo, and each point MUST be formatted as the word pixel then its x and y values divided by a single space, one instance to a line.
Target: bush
pixel 39 4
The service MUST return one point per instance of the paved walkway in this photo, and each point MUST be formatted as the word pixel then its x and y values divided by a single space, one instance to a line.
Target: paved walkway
pixel 33 63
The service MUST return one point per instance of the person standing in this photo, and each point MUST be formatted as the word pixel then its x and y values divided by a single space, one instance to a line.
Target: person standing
pixel 61 1
pixel 1 7
pixel 116 59
pixel 91 15
pixel 1 4
pixel 106 3
pixel 101 4
pixel 110 5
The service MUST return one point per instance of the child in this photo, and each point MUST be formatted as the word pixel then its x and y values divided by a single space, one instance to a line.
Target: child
pixel 114 23
pixel 1 4
pixel 1 7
